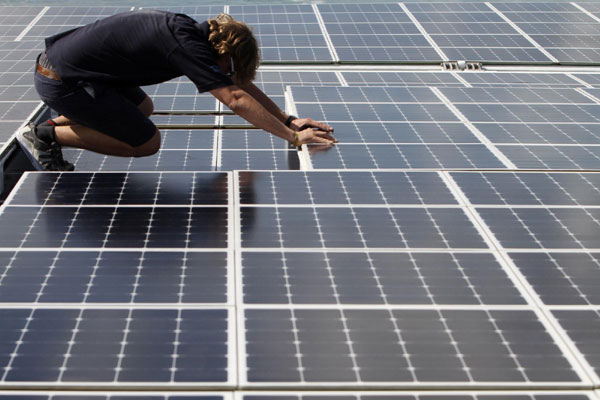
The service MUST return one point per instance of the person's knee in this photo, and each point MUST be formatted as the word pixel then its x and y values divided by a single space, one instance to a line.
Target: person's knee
pixel 150 147
pixel 146 106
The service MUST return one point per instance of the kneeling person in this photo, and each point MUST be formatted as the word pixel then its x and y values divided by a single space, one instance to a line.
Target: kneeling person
pixel 92 75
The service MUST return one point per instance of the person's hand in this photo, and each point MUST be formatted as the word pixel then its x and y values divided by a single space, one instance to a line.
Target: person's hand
pixel 302 123
pixel 310 135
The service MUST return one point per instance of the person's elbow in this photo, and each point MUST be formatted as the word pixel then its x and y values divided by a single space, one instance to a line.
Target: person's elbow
pixel 233 97
pixel 237 102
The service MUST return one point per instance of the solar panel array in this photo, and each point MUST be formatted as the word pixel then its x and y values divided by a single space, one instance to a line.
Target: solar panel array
pixel 447 248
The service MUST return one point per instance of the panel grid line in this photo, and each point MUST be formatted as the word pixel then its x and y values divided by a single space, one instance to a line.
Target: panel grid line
pixel 483 139
pixel 527 291
pixel 423 32
pixel 31 24
pixel 522 33
pixel 586 12
pixel 325 33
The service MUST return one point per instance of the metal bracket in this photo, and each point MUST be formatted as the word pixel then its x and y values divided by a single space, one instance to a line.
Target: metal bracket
pixel 462 66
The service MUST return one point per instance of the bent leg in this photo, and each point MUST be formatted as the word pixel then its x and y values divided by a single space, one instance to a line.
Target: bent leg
pixel 82 137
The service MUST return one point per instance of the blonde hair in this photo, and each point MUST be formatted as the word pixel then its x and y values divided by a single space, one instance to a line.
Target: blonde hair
pixel 228 36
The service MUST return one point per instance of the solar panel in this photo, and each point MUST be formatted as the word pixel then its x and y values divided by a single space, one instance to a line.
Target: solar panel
pixel 357 279
pixel 591 79
pixel 344 188
pixel 515 79
pixel 287 33
pixel 561 278
pixel 581 327
pixel 374 32
pixel 115 346
pixel 534 127
pixel 273 82
pixel 15 20
pixel 539 189
pixel 394 347
pixel 164 160
pixel 199 12
pixel 133 277
pixel 563 30
pixel 384 279
pixel 439 79
pixel 144 336
pixel 474 33
pixel 424 132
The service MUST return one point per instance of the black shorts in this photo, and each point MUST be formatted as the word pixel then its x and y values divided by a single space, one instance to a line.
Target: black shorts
pixel 112 111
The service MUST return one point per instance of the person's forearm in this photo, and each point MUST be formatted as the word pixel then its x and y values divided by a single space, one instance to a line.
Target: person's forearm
pixel 265 101
pixel 249 108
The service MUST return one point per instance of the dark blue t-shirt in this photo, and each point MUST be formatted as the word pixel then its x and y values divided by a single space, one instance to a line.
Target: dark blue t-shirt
pixel 137 48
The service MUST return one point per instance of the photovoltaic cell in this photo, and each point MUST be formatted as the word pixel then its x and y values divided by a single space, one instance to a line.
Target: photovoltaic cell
pixel 346 278
pixel 438 79
pixel 16 78
pixel 181 86
pixel 562 278
pixel 14 20
pixel 123 188
pixel 349 346
pixel 164 160
pixel 544 228
pixel 563 30
pixel 85 11
pixel 200 12
pixel 251 139
pixel 582 327
pixel 187 139
pixel 184 120
pixel 353 227
pixel 541 189
pixel 592 79
pixel 374 32
pixel 424 131
pixel 288 33
pixel 512 79
pixel 383 278
pixel 258 159
pixel 553 157
pixel 114 346
pixel 534 127
pixel 274 82
pixel 180 103
pixel 133 277
pixel 129 227
pixel 403 156
pixel 343 187
pixel 476 34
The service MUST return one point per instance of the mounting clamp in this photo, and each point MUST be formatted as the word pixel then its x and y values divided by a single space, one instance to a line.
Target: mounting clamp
pixel 461 66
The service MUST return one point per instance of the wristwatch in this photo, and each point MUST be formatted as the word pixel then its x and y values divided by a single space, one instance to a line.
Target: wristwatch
pixel 289 120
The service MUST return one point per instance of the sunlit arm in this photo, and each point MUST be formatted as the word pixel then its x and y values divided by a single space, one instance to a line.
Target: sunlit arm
pixel 247 107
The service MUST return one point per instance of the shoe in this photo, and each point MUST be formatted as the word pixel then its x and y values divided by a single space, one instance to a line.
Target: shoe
pixel 43 156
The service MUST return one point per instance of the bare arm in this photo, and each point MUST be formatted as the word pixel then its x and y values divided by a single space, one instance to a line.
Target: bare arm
pixel 246 106
pixel 265 101
pixel 297 124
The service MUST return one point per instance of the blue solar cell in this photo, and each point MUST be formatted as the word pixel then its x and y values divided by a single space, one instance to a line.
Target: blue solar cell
pixel 113 345
pixel 400 346
pixel 548 189
pixel 343 187
pixel 384 278
pixel 358 228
